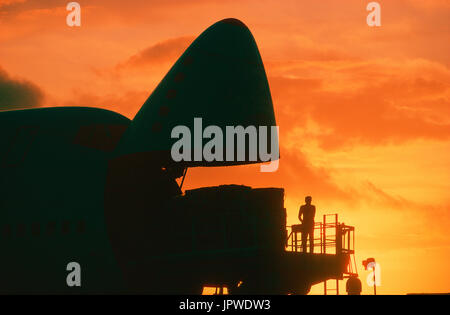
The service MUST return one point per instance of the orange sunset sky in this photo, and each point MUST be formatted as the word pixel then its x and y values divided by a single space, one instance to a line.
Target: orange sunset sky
pixel 364 112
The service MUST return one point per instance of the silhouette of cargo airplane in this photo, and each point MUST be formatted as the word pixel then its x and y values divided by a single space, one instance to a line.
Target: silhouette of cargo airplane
pixel 90 186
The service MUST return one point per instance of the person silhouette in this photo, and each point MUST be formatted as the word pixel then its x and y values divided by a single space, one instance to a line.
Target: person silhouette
pixel 306 217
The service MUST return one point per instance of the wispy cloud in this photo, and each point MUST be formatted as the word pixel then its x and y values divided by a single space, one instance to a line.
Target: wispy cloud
pixel 163 52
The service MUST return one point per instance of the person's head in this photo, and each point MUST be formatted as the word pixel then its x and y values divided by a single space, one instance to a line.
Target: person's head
pixel 308 200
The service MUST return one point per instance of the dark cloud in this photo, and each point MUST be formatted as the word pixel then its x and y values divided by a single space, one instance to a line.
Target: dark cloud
pixel 18 94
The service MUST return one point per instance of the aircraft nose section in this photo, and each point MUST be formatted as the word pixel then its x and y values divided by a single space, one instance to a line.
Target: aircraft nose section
pixel 227 38
pixel 233 21
pixel 220 78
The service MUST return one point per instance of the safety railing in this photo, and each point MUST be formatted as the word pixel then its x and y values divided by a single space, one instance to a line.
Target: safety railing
pixel 329 237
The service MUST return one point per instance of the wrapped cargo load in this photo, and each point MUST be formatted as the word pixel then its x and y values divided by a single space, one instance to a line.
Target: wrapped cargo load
pixel 229 217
